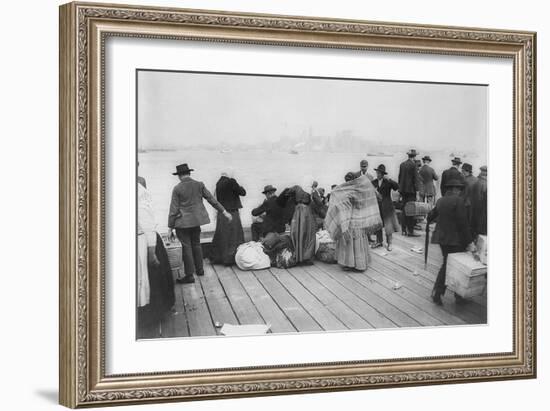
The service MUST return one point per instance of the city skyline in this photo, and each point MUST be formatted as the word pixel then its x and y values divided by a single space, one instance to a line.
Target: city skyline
pixel 175 110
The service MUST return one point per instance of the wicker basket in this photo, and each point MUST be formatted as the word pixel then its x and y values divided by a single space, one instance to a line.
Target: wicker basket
pixel 173 249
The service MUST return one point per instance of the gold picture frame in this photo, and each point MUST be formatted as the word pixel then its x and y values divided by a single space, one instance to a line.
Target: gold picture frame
pixel 83 30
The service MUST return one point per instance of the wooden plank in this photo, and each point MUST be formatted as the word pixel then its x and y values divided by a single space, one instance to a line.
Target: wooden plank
pixel 374 317
pixel 363 291
pixel 428 313
pixel 174 324
pixel 243 307
pixel 294 311
pixel 269 310
pixel 394 298
pixel 470 313
pixel 220 308
pixel 435 260
pixel 414 262
pixel 198 315
pixel 324 317
pixel 342 311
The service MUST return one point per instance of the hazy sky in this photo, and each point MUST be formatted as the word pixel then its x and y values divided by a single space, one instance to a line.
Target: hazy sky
pixel 177 109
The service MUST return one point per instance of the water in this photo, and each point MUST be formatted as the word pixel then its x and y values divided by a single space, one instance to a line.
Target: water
pixel 256 169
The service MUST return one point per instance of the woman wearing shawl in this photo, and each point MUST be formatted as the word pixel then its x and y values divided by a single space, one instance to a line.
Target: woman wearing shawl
pixel 352 215
pixel 229 234
pixel 302 225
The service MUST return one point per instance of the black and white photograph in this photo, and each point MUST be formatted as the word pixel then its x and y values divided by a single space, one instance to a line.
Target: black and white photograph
pixel 272 204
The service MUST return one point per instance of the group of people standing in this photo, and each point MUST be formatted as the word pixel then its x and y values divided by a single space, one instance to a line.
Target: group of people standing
pixel 354 210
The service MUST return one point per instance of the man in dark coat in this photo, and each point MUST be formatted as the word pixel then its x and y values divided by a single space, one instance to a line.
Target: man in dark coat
pixel 453 230
pixel 409 185
pixel 317 204
pixel 187 214
pixel 469 182
pixel 452 173
pixel 384 187
pixel 428 176
pixel 273 215
pixel 479 203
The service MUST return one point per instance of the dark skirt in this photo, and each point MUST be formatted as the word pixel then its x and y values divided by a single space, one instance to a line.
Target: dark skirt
pixel 302 231
pixel 162 297
pixel 227 237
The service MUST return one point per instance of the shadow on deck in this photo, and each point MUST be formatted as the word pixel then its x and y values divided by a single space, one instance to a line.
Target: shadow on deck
pixel 393 292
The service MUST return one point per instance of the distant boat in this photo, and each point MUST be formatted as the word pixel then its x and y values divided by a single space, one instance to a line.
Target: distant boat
pixel 293 152
pixel 379 155
pixel 225 150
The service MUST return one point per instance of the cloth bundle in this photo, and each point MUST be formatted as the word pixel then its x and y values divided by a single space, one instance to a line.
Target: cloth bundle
pixel 279 249
pixel 353 210
pixel 285 259
pixel 251 256
pixel 325 247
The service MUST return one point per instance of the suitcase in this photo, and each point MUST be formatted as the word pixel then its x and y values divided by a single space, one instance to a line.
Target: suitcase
pixel 417 209
pixel 465 275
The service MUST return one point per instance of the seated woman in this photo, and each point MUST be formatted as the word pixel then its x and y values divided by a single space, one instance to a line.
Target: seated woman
pixel 229 234
pixel 352 215
pixel 302 225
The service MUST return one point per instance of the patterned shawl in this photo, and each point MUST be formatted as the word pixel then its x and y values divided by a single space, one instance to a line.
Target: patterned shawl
pixel 353 210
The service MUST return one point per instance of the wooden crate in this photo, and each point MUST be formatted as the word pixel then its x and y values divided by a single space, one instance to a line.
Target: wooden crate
pixel 465 275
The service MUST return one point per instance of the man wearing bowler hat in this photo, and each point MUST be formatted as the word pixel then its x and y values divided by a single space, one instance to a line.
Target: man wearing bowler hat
pixel 428 176
pixel 273 215
pixel 452 173
pixel 454 234
pixel 409 185
pixel 187 214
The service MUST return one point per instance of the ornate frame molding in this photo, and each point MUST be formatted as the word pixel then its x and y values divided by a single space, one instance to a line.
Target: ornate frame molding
pixel 83 30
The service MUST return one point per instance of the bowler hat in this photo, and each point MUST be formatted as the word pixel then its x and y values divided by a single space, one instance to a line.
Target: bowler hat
pixel 364 163
pixel 412 152
pixel 456 160
pixel 454 183
pixel 483 168
pixel 426 158
pixel 268 189
pixel 467 167
pixel 182 169
pixel 381 168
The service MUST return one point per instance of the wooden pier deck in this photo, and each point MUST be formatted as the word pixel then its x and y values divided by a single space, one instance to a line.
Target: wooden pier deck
pixel 393 292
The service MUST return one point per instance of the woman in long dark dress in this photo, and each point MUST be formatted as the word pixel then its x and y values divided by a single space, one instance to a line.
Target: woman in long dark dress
pixel 229 234
pixel 303 225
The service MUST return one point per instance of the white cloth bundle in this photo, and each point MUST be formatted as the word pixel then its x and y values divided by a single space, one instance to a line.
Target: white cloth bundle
pixel 251 256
